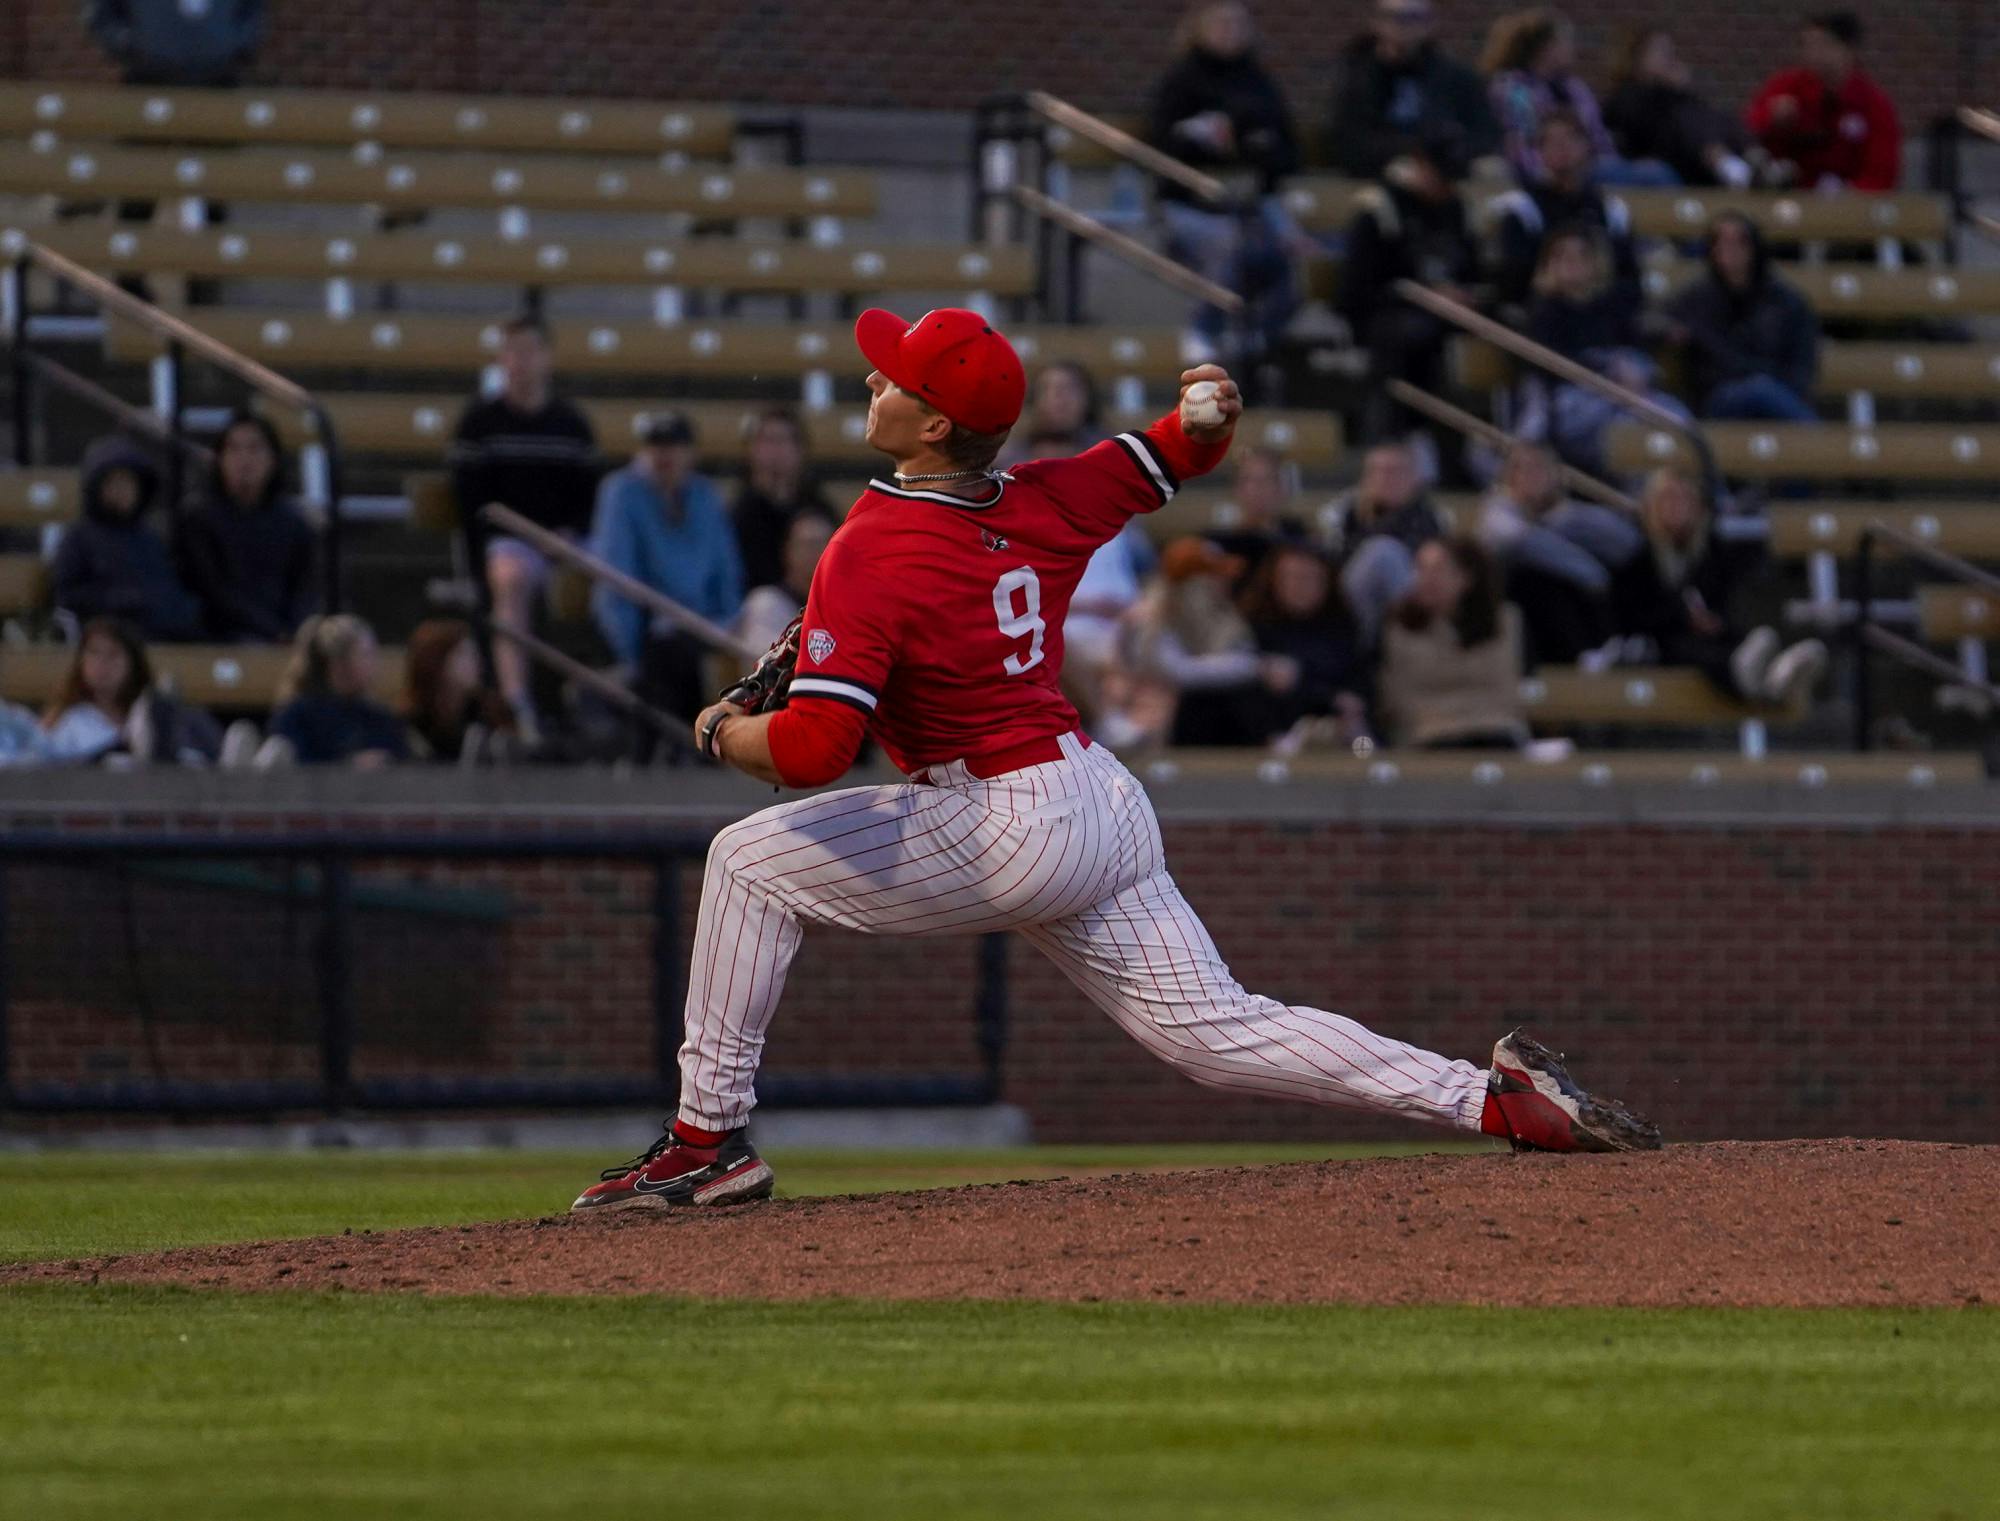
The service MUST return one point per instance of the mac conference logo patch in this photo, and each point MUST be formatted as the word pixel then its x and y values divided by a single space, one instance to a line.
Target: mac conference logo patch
pixel 819 645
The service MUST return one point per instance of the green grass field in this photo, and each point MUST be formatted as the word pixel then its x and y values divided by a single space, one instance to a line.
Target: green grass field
pixel 122 1402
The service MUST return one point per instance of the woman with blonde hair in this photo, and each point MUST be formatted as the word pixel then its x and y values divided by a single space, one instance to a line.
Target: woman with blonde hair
pixel 1672 604
pixel 325 713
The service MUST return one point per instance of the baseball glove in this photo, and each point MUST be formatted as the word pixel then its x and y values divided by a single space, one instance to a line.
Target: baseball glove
pixel 768 686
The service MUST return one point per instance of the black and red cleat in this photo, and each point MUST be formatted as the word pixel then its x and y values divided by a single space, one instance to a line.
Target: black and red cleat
pixel 674 1173
pixel 1534 1103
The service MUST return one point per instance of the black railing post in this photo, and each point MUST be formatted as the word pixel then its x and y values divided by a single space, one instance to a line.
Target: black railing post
pixel 176 434
pixel 1864 611
pixel 667 991
pixel 989 1009
pixel 24 371
pixel 1073 280
pixel 336 987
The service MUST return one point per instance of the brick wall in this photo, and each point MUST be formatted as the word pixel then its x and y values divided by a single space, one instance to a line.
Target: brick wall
pixel 1744 982
pixel 1931 54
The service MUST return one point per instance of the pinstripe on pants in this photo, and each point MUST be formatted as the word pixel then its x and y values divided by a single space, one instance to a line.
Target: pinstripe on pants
pixel 1069 854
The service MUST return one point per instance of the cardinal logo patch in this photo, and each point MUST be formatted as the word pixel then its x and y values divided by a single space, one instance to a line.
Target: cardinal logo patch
pixel 819 645
pixel 991 540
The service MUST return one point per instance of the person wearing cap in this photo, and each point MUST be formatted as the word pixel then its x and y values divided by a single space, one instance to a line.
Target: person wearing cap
pixel 661 522
pixel 934 625
pixel 1398 88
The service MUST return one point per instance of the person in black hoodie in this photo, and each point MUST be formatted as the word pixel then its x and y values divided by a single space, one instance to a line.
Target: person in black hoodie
pixel 1654 112
pixel 1295 610
pixel 1398 89
pixel 1752 341
pixel 1566 196
pixel 247 552
pixel 776 490
pixel 1219 109
pixel 1580 313
pixel 1409 226
pixel 110 562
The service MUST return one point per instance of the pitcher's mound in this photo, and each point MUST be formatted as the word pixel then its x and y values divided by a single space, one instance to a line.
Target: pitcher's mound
pixel 1792 1223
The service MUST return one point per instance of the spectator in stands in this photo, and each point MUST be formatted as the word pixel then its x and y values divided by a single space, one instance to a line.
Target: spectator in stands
pixel 248 552
pixel 776 489
pixel 1557 554
pixel 178 42
pixel 1221 111
pixel 1653 112
pixel 1451 655
pixel 1256 516
pixel 1528 62
pixel 1187 638
pixel 1826 118
pixel 1409 226
pixel 1295 610
pixel 107 704
pixel 1752 341
pixel 1563 197
pixel 325 713
pixel 1111 586
pixel 1398 89
pixel 1062 416
pixel 1380 525
pixel 1579 315
pixel 1671 604
pixel 532 451
pixel 447 706
pixel 662 523
pixel 771 606
pixel 110 562
pixel 23 740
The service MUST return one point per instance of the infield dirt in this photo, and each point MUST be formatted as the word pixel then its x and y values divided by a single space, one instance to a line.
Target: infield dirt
pixel 1800 1223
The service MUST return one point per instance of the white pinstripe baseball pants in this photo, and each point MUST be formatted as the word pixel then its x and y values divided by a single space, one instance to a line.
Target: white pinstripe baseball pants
pixel 1069 854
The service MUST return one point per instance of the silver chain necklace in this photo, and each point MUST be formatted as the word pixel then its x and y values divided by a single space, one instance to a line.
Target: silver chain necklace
pixel 947 475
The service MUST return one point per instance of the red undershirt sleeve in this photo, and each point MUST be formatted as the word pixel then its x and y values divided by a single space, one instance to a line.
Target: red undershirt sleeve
pixel 814 743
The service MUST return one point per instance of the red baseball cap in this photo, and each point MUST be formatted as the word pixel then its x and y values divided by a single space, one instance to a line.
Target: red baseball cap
pixel 952 359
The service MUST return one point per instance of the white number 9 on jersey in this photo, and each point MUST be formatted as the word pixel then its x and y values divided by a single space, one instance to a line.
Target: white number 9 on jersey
pixel 1026 621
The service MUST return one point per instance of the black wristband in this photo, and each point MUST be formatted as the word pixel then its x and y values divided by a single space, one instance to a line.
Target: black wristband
pixel 711 732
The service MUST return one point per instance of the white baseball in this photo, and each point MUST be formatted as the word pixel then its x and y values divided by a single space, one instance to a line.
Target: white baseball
pixel 1200 408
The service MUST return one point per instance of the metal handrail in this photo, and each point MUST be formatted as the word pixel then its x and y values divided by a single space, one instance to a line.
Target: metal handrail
pixel 1871 635
pixel 1440 410
pixel 1980 120
pixel 184 338
pixel 1479 325
pixel 1061 113
pixel 1130 249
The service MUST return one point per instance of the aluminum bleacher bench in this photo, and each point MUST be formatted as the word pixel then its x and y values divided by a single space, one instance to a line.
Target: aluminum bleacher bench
pixel 423 180
pixel 30 498
pixel 392 118
pixel 24 584
pixel 1822 451
pixel 232 678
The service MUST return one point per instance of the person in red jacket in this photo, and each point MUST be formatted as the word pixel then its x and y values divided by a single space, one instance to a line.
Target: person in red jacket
pixel 1827 118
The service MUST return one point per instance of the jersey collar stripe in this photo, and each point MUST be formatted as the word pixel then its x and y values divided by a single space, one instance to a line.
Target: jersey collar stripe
pixel 1149 465
pixel 852 692
pixel 944 497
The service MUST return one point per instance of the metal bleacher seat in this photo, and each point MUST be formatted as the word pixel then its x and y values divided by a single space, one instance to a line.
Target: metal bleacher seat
pixel 1325 202
pixel 1860 293
pixel 394 119
pixel 24 584
pixel 229 678
pixel 415 425
pixel 1947 614
pixel 418 180
pixel 30 498
pixel 302 341
pixel 1561 697
pixel 1970 530
pixel 725 264
pixel 1810 451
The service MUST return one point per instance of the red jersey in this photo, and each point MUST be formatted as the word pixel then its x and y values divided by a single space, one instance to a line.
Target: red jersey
pixel 1851 133
pixel 941 617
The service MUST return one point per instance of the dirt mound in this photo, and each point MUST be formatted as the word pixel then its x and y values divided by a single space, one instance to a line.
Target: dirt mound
pixel 1792 1223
